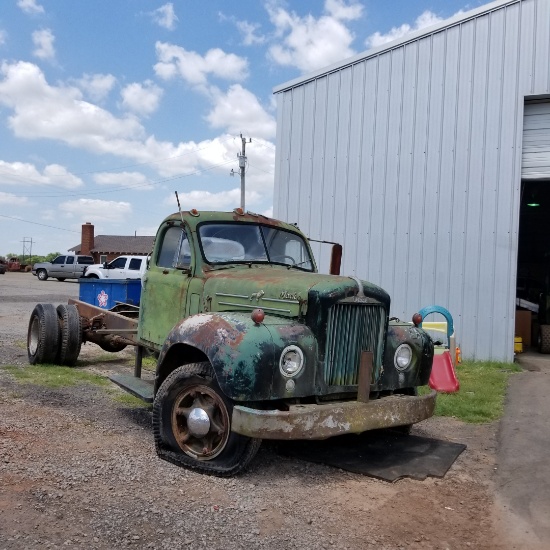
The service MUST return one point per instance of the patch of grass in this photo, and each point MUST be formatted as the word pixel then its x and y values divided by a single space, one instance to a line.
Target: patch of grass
pixel 481 395
pixel 149 363
pixel 53 376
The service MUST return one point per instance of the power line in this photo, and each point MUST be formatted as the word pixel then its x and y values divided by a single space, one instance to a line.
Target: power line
pixel 36 223
pixel 115 190
pixel 123 167
pixel 260 169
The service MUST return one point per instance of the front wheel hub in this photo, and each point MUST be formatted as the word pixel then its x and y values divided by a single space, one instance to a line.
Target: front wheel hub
pixel 198 422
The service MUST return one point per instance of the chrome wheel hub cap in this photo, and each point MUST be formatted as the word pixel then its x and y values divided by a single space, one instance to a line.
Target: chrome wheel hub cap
pixel 198 422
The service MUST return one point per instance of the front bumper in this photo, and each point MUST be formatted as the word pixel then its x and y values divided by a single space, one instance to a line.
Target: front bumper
pixel 327 420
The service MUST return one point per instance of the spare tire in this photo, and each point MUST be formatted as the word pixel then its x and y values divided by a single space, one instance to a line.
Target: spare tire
pixel 110 346
pixel 43 335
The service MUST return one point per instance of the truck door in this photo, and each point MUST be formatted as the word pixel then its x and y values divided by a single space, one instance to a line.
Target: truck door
pixel 68 269
pixel 116 269
pixel 58 267
pixel 164 286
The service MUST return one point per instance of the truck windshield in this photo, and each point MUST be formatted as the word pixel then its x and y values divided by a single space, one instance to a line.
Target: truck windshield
pixel 237 242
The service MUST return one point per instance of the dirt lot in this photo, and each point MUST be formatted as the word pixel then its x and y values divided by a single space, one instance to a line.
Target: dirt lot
pixel 78 470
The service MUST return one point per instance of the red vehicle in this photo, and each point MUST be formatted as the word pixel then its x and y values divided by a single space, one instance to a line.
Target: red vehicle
pixel 15 265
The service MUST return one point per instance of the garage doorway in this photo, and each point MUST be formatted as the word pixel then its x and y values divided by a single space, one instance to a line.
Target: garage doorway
pixel 533 272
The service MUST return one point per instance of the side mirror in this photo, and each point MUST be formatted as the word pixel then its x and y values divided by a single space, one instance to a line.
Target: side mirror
pixel 335 259
pixel 105 266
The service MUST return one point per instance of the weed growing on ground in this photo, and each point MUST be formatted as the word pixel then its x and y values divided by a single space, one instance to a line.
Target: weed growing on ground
pixel 53 376
pixel 482 390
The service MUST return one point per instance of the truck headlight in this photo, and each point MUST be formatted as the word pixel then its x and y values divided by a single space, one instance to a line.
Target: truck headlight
pixel 291 362
pixel 403 357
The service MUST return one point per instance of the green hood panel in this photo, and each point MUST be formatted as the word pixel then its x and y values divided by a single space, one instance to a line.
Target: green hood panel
pixel 278 290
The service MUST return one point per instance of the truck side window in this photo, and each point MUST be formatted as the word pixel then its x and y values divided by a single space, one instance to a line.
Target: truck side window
pixel 70 260
pixel 59 260
pixel 119 263
pixel 174 251
pixel 135 264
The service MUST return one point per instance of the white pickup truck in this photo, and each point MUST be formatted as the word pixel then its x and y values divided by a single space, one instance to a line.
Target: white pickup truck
pixel 123 267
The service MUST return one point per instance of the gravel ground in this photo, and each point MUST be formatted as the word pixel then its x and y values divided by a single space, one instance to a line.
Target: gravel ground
pixel 78 470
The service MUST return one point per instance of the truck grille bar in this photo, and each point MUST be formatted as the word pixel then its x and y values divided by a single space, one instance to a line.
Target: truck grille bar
pixel 351 329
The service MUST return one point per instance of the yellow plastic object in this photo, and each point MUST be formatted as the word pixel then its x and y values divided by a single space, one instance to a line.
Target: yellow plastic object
pixel 435 325
pixel 518 344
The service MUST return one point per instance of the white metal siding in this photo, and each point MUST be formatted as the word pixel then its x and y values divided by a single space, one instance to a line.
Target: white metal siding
pixel 536 142
pixel 411 158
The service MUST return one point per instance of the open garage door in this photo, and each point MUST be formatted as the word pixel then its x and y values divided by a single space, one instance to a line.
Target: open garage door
pixel 535 163
pixel 533 280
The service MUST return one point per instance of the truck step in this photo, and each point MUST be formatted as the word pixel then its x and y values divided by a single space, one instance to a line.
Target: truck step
pixel 143 389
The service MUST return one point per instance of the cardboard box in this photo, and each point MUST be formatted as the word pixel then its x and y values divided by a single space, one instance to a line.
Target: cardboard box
pixel 523 326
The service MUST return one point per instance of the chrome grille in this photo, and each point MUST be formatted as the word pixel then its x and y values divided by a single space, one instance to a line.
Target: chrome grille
pixel 351 329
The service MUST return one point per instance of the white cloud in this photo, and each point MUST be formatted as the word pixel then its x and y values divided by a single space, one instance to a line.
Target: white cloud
pixel 142 99
pixel 426 19
pixel 44 111
pixel 12 200
pixel 25 174
pixel 96 86
pixel 165 16
pixel 43 40
pixel 123 179
pixel 340 10
pixel 3 36
pixel 239 110
pixel 194 68
pixel 30 6
pixel 97 210
pixel 147 230
pixel 248 31
pixel 309 43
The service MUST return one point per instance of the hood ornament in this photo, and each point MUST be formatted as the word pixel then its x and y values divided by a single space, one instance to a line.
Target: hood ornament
pixel 256 296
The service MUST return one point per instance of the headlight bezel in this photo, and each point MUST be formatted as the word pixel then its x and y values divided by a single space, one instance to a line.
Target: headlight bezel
pixel 282 362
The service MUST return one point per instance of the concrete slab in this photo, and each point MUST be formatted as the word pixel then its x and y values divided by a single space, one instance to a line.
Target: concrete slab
pixel 523 459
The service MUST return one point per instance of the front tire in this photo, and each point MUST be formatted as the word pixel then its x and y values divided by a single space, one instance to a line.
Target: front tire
pixel 192 424
pixel 42 274
pixel 43 335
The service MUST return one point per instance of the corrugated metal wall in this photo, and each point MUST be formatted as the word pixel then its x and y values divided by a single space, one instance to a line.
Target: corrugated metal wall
pixel 411 158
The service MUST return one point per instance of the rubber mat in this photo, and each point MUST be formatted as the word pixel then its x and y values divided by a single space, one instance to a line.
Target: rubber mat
pixel 381 454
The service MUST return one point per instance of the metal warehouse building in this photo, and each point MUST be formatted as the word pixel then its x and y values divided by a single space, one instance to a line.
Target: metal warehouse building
pixel 420 157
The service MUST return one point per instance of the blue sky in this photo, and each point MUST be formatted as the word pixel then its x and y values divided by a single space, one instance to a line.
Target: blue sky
pixel 108 107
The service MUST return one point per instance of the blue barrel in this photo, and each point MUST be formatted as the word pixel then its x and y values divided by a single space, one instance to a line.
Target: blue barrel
pixel 105 293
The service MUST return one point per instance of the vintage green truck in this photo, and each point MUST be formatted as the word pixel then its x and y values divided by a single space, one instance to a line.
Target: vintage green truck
pixel 252 343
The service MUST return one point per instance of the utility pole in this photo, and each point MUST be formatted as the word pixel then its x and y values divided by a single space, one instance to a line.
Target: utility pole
pixel 27 247
pixel 242 166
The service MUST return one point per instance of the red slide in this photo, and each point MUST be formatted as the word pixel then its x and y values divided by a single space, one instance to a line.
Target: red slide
pixel 443 377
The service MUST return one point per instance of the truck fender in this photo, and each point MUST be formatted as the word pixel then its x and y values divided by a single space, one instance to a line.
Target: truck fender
pixel 238 349
pixel 244 354
pixel 422 348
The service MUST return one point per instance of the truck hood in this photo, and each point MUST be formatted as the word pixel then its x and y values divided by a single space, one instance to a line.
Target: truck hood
pixel 282 291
